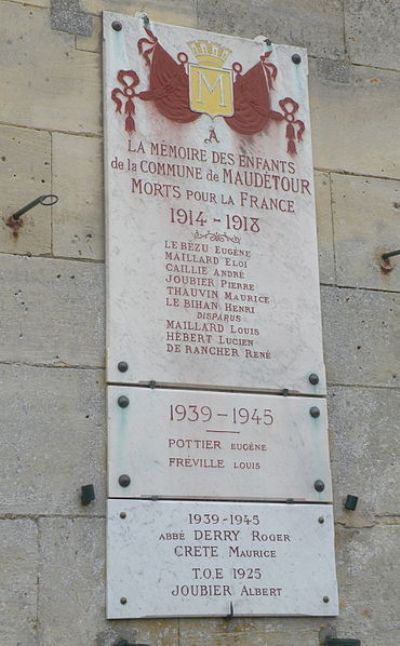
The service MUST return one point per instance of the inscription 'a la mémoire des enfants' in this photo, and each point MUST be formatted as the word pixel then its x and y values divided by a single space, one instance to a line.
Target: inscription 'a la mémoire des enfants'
pixel 245 171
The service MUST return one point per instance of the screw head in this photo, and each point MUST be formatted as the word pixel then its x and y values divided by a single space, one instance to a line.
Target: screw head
pixel 116 25
pixel 319 485
pixel 321 520
pixel 123 600
pixel 122 366
pixel 315 412
pixel 124 480
pixel 296 58
pixel 313 379
pixel 123 401
pixel 325 599
pixel 122 514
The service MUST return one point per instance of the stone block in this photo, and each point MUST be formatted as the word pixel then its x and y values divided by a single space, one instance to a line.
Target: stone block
pixel 78 222
pixel 305 23
pixel 366 222
pixel 324 227
pixel 19 566
pixel 65 15
pixel 372 32
pixel 72 590
pixel 54 438
pixel 93 42
pixel 369 585
pixel 361 331
pixel 270 627
pixel 332 70
pixel 355 123
pixel 46 82
pixel 364 443
pixel 25 163
pixel 51 311
pixel 174 12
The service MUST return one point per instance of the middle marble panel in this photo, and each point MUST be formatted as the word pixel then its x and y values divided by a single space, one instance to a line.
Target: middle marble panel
pixel 185 444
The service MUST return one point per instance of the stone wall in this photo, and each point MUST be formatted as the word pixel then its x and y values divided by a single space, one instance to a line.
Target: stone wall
pixel 52 342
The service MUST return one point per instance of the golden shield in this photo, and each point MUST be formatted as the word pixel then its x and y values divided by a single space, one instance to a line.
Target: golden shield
pixel 211 90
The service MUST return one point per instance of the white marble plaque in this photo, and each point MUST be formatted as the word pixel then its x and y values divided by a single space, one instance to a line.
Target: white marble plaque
pixel 183 559
pixel 211 233
pixel 200 444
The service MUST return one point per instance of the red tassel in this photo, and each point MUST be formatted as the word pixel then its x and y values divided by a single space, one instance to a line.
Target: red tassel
pixel 301 129
pixel 117 101
pixel 290 133
pixel 129 125
pixel 291 147
pixel 129 107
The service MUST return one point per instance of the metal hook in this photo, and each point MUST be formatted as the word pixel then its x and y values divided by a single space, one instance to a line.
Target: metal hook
pixel 390 254
pixel 144 17
pixel 263 39
pixel 385 257
pixel 45 200
pixel 231 614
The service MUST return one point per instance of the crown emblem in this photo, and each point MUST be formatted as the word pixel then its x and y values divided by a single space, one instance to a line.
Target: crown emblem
pixel 208 53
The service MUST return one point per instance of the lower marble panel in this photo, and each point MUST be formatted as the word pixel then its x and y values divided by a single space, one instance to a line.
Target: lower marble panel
pixel 199 559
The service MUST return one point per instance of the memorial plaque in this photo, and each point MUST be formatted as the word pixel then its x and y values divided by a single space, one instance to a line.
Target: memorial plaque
pixel 211 243
pixel 201 444
pixel 183 559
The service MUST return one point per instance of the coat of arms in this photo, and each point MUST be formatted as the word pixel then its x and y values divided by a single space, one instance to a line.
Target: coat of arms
pixel 210 85
pixel 183 90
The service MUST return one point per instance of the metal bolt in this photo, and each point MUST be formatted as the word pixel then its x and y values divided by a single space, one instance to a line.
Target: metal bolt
pixel 123 600
pixel 122 514
pixel 319 485
pixel 123 401
pixel 325 599
pixel 124 480
pixel 122 366
pixel 116 25
pixel 321 520
pixel 313 379
pixel 296 58
pixel 315 412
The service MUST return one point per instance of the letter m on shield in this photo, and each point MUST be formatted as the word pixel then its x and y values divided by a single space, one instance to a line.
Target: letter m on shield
pixel 211 90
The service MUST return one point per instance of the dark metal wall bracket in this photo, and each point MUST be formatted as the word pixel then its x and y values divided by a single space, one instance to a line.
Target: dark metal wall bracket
pixel 351 502
pixel 385 260
pixel 15 222
pixel 87 494
pixel 333 641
